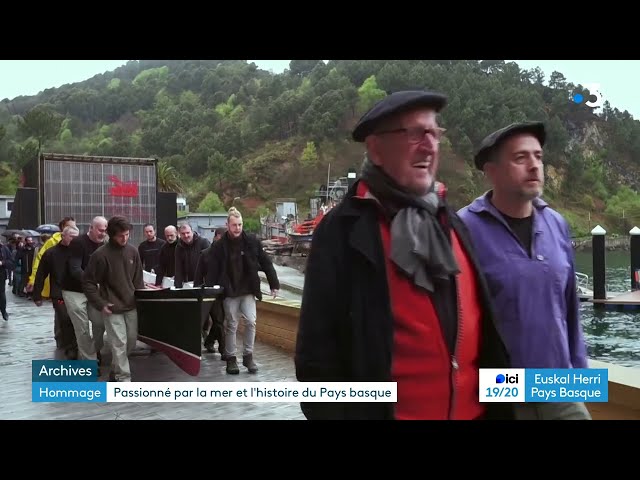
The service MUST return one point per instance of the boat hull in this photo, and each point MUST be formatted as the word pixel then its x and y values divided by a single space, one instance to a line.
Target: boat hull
pixel 171 320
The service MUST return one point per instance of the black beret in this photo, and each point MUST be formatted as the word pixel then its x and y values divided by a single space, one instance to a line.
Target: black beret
pixel 493 140
pixel 395 103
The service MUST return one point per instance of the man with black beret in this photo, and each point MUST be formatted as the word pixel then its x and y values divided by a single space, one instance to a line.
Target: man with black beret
pixel 392 291
pixel 527 258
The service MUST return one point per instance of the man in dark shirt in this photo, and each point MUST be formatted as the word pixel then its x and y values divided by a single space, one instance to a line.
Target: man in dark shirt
pixel 6 266
pixel 24 255
pixel 214 323
pixel 233 263
pixel 84 317
pixel 187 254
pixel 149 249
pixel 54 265
pixel 528 261
pixel 167 257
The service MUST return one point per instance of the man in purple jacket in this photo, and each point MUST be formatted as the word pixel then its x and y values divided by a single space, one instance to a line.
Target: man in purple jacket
pixel 526 254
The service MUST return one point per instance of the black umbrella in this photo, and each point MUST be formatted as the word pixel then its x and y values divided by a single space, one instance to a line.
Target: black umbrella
pixel 20 233
pixel 48 229
pixel 11 233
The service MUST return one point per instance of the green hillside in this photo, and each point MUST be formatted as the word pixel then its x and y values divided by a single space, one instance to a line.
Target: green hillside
pixel 225 129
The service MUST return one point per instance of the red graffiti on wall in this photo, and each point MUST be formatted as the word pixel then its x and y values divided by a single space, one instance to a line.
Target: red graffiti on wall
pixel 123 189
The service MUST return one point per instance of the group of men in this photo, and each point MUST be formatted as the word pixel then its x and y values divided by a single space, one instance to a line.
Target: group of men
pixel 400 287
pixel 232 261
pixel 91 283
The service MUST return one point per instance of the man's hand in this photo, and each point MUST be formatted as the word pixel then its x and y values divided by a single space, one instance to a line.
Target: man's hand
pixel 274 293
pixel 29 287
pixel 107 309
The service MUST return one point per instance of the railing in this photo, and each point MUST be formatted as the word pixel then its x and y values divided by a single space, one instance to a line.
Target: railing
pixel 582 280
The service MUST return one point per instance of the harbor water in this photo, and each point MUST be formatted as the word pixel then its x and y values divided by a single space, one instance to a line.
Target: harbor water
pixel 611 336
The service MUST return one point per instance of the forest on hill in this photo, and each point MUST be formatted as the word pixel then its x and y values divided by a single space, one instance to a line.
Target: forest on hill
pixel 224 129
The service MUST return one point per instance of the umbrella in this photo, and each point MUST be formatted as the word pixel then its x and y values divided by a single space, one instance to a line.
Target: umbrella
pixel 21 233
pixel 11 233
pixel 48 228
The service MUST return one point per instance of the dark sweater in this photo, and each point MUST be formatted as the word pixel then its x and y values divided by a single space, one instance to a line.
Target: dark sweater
pixel 81 248
pixel 118 272
pixel 167 262
pixel 150 253
pixel 53 264
pixel 187 256
pixel 240 280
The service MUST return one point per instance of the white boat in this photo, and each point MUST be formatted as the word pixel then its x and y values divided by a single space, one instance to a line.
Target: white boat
pixel 582 287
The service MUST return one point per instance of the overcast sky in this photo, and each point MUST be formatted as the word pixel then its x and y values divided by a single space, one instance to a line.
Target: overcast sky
pixel 618 79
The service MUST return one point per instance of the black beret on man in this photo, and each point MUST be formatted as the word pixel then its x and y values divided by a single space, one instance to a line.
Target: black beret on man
pixel 493 140
pixel 395 103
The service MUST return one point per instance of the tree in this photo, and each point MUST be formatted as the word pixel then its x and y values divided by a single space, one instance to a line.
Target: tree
pixel 210 203
pixel 309 155
pixel 8 180
pixel 168 178
pixel 302 67
pixel 369 93
pixel 557 80
pixel 41 123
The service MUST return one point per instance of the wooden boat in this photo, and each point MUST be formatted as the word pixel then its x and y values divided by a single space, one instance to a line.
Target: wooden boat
pixel 170 320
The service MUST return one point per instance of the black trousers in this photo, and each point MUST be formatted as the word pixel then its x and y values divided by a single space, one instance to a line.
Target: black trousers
pixel 3 296
pixel 65 334
pixel 216 332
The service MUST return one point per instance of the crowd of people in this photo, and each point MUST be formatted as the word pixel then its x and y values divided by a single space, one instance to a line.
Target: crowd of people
pixel 91 280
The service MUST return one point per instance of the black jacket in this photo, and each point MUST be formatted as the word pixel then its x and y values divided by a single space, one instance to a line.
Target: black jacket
pixel 6 257
pixel 166 262
pixel 150 253
pixel 187 259
pixel 255 259
pixel 346 323
pixel 53 264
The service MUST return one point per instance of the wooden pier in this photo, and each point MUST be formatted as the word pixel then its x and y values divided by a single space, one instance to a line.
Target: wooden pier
pixel 622 302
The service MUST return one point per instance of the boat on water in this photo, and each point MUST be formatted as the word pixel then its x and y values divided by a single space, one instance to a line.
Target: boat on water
pixel 170 320
pixel 582 287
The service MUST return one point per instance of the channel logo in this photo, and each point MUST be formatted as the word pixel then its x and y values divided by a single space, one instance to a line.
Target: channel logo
pixel 593 88
pixel 501 378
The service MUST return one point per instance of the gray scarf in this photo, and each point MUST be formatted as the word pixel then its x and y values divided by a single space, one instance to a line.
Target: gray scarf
pixel 419 246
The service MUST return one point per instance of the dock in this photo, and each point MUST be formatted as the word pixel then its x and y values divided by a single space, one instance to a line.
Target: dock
pixel 622 302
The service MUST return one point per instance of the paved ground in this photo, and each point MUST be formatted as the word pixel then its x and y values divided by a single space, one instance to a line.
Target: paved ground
pixel 291 283
pixel 28 335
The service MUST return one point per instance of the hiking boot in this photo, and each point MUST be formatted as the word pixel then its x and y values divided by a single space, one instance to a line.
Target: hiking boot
pixel 247 361
pixel 232 366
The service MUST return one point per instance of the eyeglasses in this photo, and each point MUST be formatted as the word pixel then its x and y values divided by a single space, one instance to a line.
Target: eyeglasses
pixel 418 134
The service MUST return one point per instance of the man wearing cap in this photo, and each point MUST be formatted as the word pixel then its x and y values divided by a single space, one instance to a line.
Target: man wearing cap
pixel 392 291
pixel 528 261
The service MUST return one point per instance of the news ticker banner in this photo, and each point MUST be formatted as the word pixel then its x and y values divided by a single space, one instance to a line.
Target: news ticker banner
pixel 544 385
pixel 77 381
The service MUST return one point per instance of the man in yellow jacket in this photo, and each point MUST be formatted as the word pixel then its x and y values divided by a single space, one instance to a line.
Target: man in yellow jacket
pixel 52 242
